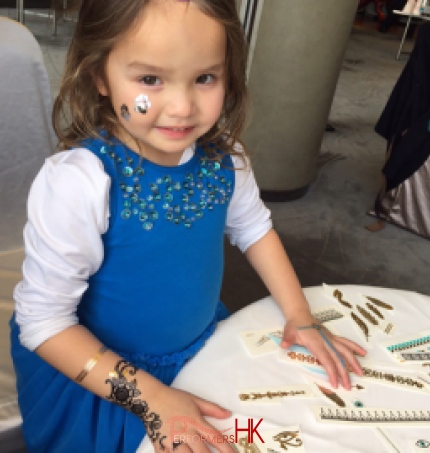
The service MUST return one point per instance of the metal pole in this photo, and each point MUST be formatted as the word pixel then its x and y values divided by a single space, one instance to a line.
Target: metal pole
pixel 20 10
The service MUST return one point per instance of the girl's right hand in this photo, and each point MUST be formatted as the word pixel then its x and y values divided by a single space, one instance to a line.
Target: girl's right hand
pixel 183 427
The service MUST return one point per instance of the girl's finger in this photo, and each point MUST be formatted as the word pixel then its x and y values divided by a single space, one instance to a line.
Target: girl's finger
pixel 350 353
pixel 210 409
pixel 326 359
pixel 331 359
pixel 288 338
pixel 357 349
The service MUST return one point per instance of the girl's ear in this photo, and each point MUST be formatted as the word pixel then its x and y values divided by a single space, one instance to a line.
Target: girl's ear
pixel 101 85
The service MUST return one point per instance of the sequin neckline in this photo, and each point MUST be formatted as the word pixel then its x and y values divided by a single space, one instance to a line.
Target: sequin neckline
pixel 182 196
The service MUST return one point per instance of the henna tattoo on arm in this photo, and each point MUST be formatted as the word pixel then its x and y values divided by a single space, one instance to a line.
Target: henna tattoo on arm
pixel 124 393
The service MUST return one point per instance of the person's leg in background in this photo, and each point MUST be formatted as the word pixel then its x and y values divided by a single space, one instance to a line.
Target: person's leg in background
pixel 391 18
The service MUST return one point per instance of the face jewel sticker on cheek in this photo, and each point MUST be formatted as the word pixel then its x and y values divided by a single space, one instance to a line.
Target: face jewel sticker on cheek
pixel 125 113
pixel 142 104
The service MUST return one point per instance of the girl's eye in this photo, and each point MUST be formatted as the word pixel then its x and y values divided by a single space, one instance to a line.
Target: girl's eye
pixel 205 79
pixel 150 80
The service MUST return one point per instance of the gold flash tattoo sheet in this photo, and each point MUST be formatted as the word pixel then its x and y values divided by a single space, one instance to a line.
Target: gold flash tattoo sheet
pixel 402 349
pixel 260 342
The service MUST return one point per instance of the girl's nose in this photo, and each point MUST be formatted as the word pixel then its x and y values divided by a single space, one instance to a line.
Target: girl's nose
pixel 180 104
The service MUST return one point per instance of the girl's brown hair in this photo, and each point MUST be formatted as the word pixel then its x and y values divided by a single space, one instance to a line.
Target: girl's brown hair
pixel 81 112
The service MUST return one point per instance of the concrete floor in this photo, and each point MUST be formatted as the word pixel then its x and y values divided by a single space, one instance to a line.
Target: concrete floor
pixel 323 232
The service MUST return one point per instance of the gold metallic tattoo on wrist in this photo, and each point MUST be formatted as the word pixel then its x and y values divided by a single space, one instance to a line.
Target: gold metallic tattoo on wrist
pixel 90 364
pixel 125 393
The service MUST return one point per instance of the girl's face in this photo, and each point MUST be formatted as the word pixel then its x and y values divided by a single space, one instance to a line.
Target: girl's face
pixel 171 66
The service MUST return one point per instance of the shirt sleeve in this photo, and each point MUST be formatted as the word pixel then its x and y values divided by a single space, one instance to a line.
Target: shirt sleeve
pixel 248 219
pixel 68 211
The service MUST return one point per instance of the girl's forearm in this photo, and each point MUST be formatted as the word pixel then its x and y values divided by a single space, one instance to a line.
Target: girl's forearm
pixel 75 350
pixel 269 258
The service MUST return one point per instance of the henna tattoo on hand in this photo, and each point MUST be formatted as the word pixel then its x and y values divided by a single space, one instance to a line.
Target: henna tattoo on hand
pixel 125 393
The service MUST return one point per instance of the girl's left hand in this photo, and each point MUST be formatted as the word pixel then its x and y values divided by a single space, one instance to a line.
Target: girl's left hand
pixel 330 359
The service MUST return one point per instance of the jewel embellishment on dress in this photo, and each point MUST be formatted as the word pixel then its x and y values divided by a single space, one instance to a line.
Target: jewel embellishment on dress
pixel 180 202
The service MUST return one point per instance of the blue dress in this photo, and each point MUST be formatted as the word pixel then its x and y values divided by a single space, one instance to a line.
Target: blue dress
pixel 154 300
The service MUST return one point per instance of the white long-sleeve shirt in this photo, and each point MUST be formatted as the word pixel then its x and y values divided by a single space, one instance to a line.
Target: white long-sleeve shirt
pixel 68 211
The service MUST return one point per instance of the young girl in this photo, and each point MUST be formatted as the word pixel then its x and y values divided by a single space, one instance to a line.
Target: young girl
pixel 124 241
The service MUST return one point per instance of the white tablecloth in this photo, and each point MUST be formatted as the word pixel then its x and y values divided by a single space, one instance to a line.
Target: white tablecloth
pixel 223 368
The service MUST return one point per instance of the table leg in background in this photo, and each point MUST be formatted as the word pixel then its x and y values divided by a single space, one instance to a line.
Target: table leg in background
pixel 404 37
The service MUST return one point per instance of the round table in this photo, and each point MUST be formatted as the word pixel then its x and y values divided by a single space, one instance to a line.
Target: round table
pixel 224 367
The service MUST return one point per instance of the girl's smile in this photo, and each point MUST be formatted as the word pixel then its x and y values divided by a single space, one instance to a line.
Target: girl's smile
pixel 176 132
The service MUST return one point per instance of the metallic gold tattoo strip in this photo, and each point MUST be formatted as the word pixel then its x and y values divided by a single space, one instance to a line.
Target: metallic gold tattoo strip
pixel 339 296
pixel 90 364
pixel 305 358
pixel 327 315
pixel 388 440
pixel 361 324
pixel 332 395
pixel 243 446
pixel 367 315
pixel 269 395
pixel 275 394
pixel 374 309
pixel 262 340
pixel 125 393
pixel 372 416
pixel 396 379
pixel 379 303
pixel 413 341
pixel 288 439
pixel 424 379
pixel 415 356
pixel 389 328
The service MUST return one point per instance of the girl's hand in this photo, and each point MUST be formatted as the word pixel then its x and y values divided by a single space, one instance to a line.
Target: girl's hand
pixel 344 350
pixel 183 427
